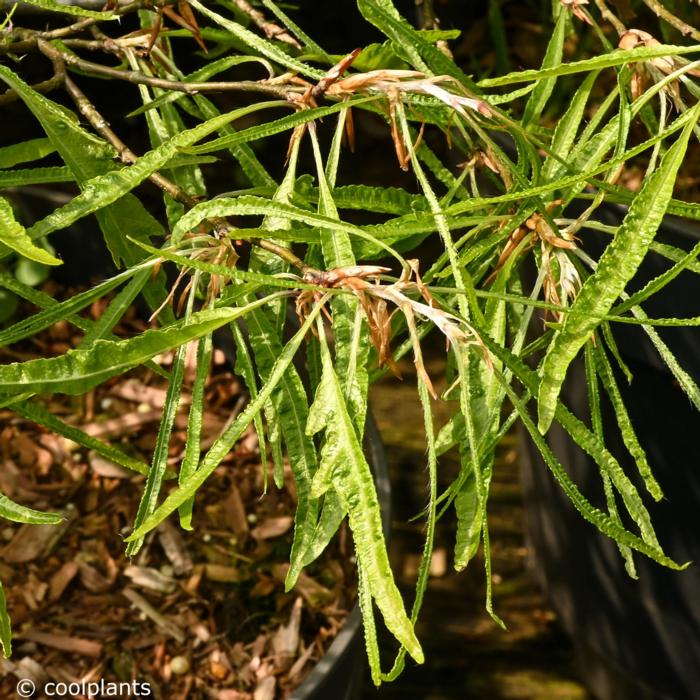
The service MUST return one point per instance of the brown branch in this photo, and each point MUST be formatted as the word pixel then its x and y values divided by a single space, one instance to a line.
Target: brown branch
pixel 670 18
pixel 52 83
pixel 609 16
pixel 139 78
pixel 271 30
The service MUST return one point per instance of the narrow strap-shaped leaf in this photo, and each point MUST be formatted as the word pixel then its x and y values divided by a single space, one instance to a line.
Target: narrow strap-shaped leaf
pixel 116 308
pixel 260 206
pixel 602 522
pixel 685 381
pixel 364 595
pixel 228 438
pixel 35 176
pixel 351 338
pixel 78 370
pixel 618 57
pixel 245 369
pixel 597 423
pixel 629 435
pixel 70 9
pixel 353 479
pixel 616 267
pixel 159 463
pixel 408 41
pixel 586 439
pixel 60 311
pixel 21 514
pixel 279 126
pixel 291 409
pixel 14 236
pixel 469 515
pixel 190 461
pixel 5 627
pixel 332 514
pixel 431 517
pixel 25 152
pixel 305 39
pixel 567 127
pixel 545 86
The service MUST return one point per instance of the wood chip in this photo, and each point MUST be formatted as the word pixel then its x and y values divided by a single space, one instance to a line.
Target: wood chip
pixel 92 579
pixel 235 514
pixel 71 645
pixel 313 592
pixel 108 469
pixel 222 574
pixel 61 579
pixel 285 641
pixel 266 689
pixel 34 541
pixel 173 545
pixel 127 423
pixel 149 611
pixel 299 664
pixel 147 577
pixel 272 527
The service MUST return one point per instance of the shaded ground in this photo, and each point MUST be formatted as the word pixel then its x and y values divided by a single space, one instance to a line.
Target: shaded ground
pixel 467 655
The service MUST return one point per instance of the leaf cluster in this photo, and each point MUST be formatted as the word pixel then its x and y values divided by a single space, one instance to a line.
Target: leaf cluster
pixel 533 147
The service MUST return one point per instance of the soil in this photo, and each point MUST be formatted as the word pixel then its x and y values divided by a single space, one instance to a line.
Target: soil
pixel 197 615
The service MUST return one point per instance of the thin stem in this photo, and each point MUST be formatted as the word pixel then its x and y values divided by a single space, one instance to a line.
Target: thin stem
pixel 270 29
pixel 660 11
pixel 139 78
pixel 609 16
pixel 45 86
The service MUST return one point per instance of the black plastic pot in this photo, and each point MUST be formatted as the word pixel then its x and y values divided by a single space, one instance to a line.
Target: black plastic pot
pixel 635 640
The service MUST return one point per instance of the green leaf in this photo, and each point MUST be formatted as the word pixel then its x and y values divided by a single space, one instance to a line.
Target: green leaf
pixel 77 371
pixel 567 127
pixel 469 516
pixel 409 42
pixel 193 446
pixel 21 514
pixel 5 628
pixel 615 58
pixel 159 463
pixel 70 9
pixel 278 126
pixel 25 152
pixel 35 176
pixel 616 267
pixel 545 86
pixel 56 312
pixel 14 236
pixel 90 157
pixel 629 436
pixel 353 481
